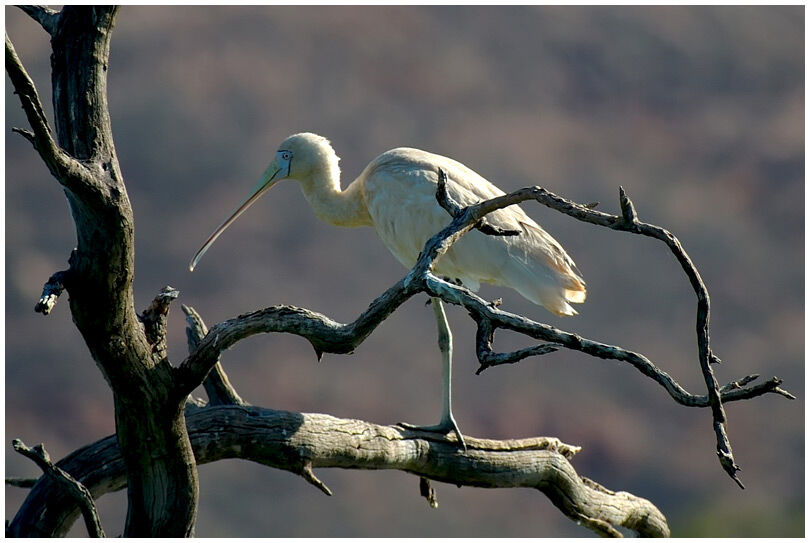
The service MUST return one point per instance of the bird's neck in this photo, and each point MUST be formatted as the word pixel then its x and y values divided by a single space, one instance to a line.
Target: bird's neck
pixel 333 205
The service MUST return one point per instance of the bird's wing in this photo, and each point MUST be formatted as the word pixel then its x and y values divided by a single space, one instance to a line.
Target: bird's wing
pixel 468 188
pixel 400 188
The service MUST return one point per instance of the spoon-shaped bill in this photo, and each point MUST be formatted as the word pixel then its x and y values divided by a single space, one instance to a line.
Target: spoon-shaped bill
pixel 267 181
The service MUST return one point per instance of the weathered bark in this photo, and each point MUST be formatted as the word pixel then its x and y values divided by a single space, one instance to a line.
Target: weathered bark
pixel 217 386
pixel 64 482
pixel 298 442
pixel 162 486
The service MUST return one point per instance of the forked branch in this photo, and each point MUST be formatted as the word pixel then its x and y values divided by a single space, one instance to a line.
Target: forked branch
pixel 64 168
pixel 326 335
pixel 45 16
pixel 629 222
pixel 63 481
pixel 489 318
pixel 217 385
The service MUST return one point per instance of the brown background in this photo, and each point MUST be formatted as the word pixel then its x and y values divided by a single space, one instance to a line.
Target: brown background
pixel 697 112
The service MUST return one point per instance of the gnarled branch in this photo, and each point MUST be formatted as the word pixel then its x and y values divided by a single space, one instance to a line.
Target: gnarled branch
pixel 327 335
pixel 301 442
pixel 63 481
pixel 454 209
pixel 629 222
pixel 217 385
pixel 154 319
pixel 491 317
pixel 67 170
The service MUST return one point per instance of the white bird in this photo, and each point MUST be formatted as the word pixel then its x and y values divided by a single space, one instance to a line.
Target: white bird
pixel 396 195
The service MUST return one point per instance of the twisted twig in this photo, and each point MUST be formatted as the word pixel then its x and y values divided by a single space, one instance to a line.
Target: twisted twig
pixel 74 488
pixel 629 222
pixel 490 318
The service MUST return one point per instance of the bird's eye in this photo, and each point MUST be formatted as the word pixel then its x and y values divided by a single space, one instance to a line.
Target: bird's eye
pixel 286 155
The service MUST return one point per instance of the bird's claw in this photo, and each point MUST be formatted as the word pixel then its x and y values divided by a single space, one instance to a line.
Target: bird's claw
pixel 443 428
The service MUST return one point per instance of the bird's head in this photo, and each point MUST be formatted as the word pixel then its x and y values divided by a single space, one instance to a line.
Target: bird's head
pixel 304 157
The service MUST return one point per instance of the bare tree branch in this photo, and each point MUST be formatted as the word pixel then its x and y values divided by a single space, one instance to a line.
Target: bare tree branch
pixel 628 222
pixel 66 169
pixel 488 358
pixel 309 476
pixel 154 319
pixel 77 491
pixel 491 317
pixel 21 482
pixel 51 292
pixel 428 492
pixel 27 134
pixel 323 333
pixel 45 16
pixel 299 442
pixel 454 209
pixel 327 335
pixel 217 385
pixel 330 336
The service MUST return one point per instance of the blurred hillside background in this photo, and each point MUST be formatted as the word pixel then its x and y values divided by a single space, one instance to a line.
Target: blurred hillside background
pixel 697 111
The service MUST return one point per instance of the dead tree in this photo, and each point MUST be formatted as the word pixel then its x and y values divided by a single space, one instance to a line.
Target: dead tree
pixel 161 435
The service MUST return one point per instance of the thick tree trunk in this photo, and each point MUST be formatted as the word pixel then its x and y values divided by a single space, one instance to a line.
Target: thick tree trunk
pixel 161 472
pixel 162 485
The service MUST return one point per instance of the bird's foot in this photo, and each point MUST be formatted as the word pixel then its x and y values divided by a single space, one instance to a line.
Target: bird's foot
pixel 443 428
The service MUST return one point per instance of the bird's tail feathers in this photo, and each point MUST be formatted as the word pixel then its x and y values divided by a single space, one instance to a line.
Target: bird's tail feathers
pixel 554 287
pixel 576 296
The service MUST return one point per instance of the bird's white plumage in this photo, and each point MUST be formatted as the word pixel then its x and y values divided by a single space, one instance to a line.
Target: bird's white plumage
pixel 396 194
pixel 399 188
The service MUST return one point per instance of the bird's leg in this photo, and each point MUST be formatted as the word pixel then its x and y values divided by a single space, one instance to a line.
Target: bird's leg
pixel 446 348
pixel 447 423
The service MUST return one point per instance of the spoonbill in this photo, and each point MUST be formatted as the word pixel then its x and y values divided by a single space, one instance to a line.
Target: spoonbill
pixel 395 194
